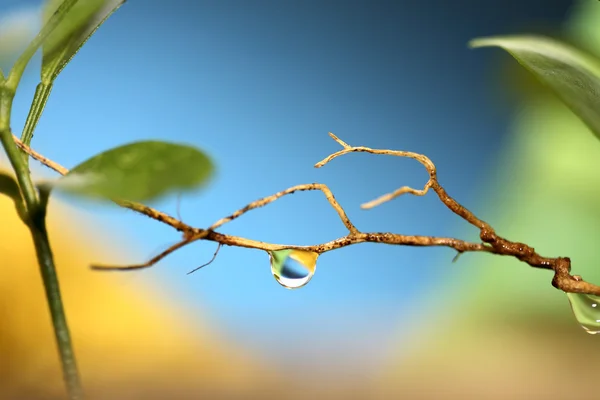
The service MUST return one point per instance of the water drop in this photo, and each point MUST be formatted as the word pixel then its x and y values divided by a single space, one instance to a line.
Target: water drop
pixel 293 268
pixel 586 308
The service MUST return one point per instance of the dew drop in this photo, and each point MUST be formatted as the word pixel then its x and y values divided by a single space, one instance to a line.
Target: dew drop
pixel 293 268
pixel 586 308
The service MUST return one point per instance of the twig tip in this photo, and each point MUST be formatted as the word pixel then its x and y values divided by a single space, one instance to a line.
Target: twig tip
pixel 340 141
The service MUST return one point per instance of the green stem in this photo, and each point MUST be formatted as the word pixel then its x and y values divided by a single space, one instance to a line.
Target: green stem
pixel 42 92
pixel 57 312
pixel 14 154
pixel 35 213
pixel 35 220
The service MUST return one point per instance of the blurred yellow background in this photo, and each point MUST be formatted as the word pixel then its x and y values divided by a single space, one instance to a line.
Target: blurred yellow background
pixel 130 342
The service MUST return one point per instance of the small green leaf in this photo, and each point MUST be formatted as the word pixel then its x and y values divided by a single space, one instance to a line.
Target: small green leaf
pixel 10 187
pixel 572 74
pixel 73 31
pixel 139 171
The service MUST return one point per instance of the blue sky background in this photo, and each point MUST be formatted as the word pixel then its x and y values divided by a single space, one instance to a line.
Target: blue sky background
pixel 258 85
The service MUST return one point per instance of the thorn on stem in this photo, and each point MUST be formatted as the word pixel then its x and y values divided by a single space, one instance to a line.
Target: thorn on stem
pixel 457 256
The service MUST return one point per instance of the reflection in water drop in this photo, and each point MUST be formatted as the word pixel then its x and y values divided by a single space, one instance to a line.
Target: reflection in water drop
pixel 293 268
pixel 586 308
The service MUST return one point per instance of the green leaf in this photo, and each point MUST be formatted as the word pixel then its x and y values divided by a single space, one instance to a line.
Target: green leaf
pixel 16 72
pixel 17 28
pixel 572 74
pixel 139 171
pixel 73 31
pixel 10 187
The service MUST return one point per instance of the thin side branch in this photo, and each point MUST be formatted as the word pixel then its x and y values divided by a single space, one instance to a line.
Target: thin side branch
pixel 209 262
pixel 298 188
pixel 490 241
pixel 148 263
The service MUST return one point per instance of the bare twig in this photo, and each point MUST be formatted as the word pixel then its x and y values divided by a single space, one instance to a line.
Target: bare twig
pixel 298 188
pixel 209 262
pixel 490 241
pixel 148 263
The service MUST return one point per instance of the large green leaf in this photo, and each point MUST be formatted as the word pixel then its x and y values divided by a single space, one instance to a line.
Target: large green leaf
pixel 572 74
pixel 73 31
pixel 139 171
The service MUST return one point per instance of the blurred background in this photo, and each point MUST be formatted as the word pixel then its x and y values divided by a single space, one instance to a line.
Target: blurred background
pixel 257 85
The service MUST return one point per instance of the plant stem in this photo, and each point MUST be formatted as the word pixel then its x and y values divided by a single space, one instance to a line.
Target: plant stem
pixel 34 215
pixel 35 219
pixel 14 154
pixel 57 311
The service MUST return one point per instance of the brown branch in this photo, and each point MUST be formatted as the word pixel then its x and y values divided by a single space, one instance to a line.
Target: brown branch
pixel 561 265
pixel 148 263
pixel 490 241
pixel 298 188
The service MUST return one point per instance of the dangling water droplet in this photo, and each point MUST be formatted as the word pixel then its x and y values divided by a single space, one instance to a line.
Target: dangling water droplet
pixel 293 268
pixel 586 308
